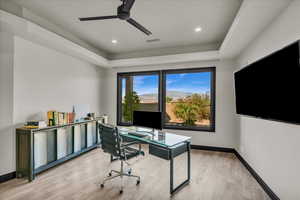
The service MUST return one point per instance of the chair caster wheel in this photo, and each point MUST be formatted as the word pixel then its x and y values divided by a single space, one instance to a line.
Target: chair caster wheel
pixel 121 191
pixel 102 185
pixel 138 182
pixel 109 174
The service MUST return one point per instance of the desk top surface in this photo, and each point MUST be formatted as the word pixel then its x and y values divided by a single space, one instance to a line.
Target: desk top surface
pixel 158 138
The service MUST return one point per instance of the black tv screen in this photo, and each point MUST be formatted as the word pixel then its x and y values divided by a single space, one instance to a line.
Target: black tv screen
pixel 270 87
pixel 147 119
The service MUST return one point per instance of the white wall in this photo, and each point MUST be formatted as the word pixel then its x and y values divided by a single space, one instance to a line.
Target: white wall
pixel 35 79
pixel 45 79
pixel 225 135
pixel 271 148
pixel 6 102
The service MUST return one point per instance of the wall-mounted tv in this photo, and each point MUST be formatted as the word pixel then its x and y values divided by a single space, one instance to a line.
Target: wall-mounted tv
pixel 270 87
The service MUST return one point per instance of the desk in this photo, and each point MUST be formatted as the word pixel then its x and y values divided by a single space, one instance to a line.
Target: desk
pixel 167 146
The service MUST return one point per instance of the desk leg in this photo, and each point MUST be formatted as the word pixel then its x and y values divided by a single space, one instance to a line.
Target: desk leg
pixel 189 160
pixel 184 183
pixel 171 172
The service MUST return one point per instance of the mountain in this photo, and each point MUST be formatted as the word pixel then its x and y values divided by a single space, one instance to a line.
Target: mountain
pixel 148 98
pixel 178 94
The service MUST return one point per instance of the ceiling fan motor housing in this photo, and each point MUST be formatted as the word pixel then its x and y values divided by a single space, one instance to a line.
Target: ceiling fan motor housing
pixel 122 14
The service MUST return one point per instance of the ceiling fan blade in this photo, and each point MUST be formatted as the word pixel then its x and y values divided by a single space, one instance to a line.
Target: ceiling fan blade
pixel 138 26
pixel 98 18
pixel 127 5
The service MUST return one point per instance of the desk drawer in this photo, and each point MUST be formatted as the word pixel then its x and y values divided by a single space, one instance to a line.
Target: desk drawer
pixel 179 149
pixel 165 154
pixel 159 152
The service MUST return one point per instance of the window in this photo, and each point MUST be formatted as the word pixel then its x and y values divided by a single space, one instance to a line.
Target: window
pixel 185 97
pixel 140 92
pixel 189 99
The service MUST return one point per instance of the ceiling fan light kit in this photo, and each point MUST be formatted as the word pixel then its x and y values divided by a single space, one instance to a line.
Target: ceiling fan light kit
pixel 123 13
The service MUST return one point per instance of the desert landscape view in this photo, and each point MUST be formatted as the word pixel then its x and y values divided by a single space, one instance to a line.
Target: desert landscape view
pixel 182 108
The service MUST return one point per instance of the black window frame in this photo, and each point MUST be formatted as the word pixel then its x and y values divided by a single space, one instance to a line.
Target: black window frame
pixel 162 95
pixel 119 91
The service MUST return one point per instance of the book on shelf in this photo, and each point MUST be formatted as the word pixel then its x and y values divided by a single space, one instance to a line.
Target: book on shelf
pixel 65 118
pixel 71 117
pixel 52 118
pixel 60 118
pixel 35 124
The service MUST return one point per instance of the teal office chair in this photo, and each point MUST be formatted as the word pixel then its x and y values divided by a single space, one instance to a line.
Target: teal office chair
pixel 112 143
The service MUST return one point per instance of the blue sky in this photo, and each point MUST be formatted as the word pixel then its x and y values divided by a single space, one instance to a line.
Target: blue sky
pixel 190 82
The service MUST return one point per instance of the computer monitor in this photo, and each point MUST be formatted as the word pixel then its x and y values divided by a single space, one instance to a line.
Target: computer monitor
pixel 147 119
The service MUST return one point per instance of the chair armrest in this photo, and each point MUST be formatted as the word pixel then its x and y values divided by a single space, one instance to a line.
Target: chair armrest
pixel 130 152
pixel 129 144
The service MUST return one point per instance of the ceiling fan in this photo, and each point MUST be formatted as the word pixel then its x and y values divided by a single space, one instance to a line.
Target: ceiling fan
pixel 123 14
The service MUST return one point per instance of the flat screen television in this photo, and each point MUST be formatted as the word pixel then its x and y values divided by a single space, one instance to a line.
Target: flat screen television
pixel 147 119
pixel 270 87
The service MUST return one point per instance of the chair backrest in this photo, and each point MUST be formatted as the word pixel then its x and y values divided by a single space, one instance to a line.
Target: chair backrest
pixel 110 139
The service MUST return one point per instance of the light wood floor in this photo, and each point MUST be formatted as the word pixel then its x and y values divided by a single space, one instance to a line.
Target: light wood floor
pixel 215 176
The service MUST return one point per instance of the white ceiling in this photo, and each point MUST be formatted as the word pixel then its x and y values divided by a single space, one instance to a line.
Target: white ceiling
pixel 172 21
pixel 252 19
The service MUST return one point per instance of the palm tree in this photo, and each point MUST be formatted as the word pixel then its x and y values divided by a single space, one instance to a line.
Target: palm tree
pixel 169 99
pixel 186 112
pixel 202 101
pixel 131 103
pixel 193 108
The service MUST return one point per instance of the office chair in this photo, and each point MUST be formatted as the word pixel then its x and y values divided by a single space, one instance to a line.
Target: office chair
pixel 112 143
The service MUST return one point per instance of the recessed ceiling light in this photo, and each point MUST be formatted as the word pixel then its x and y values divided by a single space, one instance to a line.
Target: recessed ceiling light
pixel 114 41
pixel 198 29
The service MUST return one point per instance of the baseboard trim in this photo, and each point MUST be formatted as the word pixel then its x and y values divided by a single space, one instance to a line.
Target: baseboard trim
pixel 7 177
pixel 211 148
pixel 260 181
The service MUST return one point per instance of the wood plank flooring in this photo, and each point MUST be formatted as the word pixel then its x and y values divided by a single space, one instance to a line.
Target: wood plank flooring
pixel 215 176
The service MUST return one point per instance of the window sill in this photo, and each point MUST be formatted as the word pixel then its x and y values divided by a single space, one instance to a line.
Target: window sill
pixel 202 129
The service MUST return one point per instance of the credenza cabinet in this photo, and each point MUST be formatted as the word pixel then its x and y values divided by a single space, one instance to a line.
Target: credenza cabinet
pixel 40 149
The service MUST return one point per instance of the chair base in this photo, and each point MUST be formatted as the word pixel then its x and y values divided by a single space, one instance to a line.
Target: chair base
pixel 115 174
